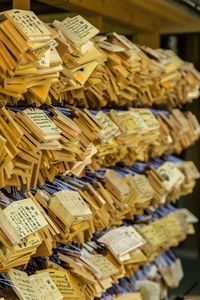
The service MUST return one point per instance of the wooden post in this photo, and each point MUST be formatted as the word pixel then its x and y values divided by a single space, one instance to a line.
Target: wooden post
pixel 22 4
pixel 151 39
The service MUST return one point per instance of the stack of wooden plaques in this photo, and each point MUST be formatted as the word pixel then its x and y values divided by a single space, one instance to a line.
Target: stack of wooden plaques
pixel 153 238
pixel 80 58
pixel 34 286
pixel 69 63
pixel 38 144
pixel 138 134
pixel 86 273
pixel 86 195
pixel 35 148
pixel 117 72
pixel 29 60
pixel 74 209
pixel 119 195
pixel 69 213
pixel 24 230
pixel 149 282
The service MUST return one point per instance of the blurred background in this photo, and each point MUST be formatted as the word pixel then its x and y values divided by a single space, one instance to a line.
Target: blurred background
pixel 187 46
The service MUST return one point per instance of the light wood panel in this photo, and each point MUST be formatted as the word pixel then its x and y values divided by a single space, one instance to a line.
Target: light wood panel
pixel 22 4
pixel 151 39
pixel 139 16
pixel 115 10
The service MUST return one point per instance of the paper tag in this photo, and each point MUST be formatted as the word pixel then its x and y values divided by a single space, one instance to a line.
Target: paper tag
pixel 41 120
pixel 28 22
pixel 122 240
pixel 45 59
pixel 152 271
pixel 150 234
pixel 148 118
pixel 78 30
pixel 111 47
pixel 62 281
pixel 137 256
pixel 45 288
pixel 61 212
pixel 190 170
pixel 142 184
pixel 126 122
pixel 130 296
pixel 25 217
pixel 53 44
pixel 174 224
pixel 160 227
pixel 150 290
pixel 124 40
pixel 181 119
pixel 190 218
pixel 171 175
pixel 21 285
pixel 120 185
pixel 74 203
pixel 110 129
pixel 102 265
pixel 83 72
pixel 138 120
pixel 172 274
pixel 28 242
pixel 55 59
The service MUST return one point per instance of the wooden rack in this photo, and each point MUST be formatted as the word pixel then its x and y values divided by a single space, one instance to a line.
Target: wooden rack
pixel 145 19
